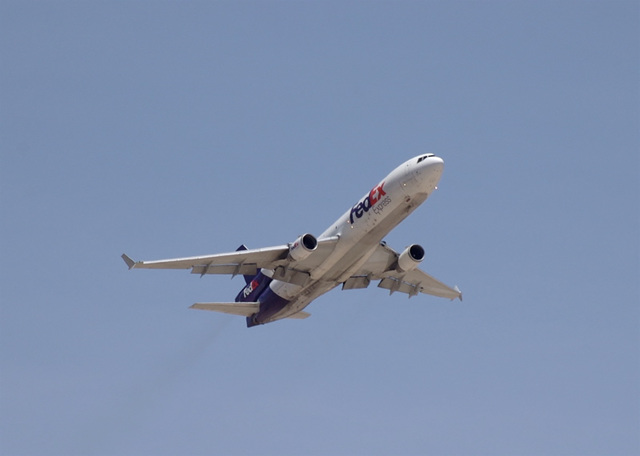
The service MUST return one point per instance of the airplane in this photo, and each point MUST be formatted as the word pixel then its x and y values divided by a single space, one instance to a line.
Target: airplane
pixel 282 281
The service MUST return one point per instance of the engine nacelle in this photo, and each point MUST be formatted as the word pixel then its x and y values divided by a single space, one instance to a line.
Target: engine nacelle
pixel 410 258
pixel 302 247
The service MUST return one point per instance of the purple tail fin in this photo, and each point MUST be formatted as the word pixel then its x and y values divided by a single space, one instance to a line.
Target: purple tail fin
pixel 255 287
pixel 256 284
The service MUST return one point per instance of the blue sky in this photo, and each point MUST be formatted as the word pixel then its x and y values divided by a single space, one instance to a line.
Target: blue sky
pixel 167 129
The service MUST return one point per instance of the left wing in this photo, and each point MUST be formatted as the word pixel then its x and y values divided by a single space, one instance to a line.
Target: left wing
pixel 381 266
pixel 418 281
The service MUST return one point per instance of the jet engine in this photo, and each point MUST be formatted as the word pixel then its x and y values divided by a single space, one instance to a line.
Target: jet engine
pixel 410 258
pixel 302 247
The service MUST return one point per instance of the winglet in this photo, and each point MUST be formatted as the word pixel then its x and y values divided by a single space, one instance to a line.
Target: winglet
pixel 459 292
pixel 129 261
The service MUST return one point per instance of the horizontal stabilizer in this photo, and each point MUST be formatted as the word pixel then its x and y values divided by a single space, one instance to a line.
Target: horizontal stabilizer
pixel 245 309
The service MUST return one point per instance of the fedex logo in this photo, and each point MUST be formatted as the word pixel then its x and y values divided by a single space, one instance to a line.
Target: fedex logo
pixel 369 201
pixel 249 288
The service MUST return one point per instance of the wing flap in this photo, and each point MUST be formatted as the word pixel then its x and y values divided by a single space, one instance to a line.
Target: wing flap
pixel 393 284
pixel 232 269
pixel 356 282
pixel 430 285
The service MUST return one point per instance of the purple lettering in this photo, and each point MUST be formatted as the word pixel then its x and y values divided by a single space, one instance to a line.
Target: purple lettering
pixel 374 197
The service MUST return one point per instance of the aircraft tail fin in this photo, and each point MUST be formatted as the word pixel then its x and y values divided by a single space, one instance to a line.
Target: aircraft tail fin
pixel 254 288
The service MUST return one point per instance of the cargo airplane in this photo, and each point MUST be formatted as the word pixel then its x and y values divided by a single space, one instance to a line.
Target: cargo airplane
pixel 281 281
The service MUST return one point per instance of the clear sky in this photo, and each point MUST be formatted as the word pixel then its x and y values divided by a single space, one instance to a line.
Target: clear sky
pixel 168 129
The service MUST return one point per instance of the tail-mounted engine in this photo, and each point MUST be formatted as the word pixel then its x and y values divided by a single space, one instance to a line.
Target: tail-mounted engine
pixel 410 258
pixel 302 247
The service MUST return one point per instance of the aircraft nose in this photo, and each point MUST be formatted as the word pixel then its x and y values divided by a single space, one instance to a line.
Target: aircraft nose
pixel 428 171
pixel 436 164
pixel 431 165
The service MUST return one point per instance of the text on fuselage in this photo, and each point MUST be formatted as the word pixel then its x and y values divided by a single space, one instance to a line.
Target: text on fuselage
pixel 374 200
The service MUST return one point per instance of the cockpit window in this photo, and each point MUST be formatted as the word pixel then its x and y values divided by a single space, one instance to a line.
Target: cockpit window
pixel 425 156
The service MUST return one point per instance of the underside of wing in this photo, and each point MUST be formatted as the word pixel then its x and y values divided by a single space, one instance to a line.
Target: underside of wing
pixel 212 264
pixel 382 265
pixel 418 281
pixel 247 262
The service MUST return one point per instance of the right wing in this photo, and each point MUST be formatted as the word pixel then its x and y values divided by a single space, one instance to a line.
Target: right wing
pixel 241 262
pixel 247 262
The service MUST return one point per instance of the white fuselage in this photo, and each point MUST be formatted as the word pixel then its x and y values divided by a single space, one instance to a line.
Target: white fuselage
pixel 362 228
